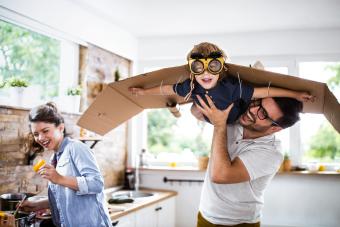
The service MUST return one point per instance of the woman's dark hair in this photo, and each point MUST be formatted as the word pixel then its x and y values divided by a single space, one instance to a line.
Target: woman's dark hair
pixel 47 113
pixel 290 108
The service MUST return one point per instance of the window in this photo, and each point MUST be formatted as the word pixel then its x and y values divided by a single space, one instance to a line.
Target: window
pixel 313 139
pixel 283 135
pixel 177 140
pixel 27 59
pixel 320 141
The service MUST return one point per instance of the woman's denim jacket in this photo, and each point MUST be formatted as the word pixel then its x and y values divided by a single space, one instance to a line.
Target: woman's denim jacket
pixel 85 207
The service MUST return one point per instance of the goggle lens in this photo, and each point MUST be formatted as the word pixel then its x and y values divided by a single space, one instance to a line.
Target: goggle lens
pixel 197 67
pixel 213 65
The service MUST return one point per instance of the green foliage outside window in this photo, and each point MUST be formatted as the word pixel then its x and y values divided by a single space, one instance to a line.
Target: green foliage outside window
pixel 162 136
pixel 325 144
pixel 29 56
pixel 159 130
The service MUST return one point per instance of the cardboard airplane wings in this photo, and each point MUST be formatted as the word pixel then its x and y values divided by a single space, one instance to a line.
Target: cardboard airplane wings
pixel 115 104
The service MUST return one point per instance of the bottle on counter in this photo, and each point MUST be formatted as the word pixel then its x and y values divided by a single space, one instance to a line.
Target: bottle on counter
pixel 129 179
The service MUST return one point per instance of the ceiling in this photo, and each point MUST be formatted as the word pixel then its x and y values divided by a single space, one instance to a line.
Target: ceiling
pixel 146 18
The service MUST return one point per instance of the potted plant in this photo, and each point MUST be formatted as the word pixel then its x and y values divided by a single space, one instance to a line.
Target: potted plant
pixel 117 74
pixel 17 82
pixel 16 88
pixel 287 163
pixel 74 91
pixel 203 160
pixel 201 148
pixel 73 94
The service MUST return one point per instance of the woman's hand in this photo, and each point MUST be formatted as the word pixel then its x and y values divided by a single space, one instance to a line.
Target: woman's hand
pixel 49 172
pixel 30 206
pixel 217 117
pixel 7 220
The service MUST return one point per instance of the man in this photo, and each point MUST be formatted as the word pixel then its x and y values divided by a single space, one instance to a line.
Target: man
pixel 244 158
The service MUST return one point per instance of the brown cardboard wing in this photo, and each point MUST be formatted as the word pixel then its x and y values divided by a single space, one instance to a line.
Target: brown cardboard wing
pixel 116 104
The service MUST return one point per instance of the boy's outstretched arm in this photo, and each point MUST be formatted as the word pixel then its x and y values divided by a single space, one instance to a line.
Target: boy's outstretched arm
pixel 262 92
pixel 159 90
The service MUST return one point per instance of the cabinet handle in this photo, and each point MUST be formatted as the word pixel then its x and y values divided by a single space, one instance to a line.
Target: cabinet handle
pixel 158 208
pixel 115 223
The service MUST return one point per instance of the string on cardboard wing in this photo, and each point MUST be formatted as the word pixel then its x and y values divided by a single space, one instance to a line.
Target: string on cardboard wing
pixel 161 88
pixel 240 83
pixel 268 88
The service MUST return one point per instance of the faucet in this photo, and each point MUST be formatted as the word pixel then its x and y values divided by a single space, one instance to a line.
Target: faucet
pixel 137 176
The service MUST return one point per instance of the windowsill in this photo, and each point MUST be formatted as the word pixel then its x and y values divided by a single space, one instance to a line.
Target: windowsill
pixel 306 172
pixel 28 109
pixel 168 168
pixel 14 107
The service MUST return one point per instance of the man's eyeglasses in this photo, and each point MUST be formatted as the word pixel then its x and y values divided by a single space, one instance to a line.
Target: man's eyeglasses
pixel 262 113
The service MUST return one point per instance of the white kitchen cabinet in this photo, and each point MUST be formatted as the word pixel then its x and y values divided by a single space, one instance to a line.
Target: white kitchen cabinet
pixel 128 220
pixel 166 213
pixel 147 216
pixel 161 214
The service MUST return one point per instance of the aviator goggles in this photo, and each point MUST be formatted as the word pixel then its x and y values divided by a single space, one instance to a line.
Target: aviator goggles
pixel 213 63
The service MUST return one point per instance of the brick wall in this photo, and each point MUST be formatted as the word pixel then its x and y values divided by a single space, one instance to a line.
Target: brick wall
pixel 15 173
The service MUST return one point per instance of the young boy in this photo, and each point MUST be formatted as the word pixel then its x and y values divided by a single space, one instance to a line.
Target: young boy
pixel 208 77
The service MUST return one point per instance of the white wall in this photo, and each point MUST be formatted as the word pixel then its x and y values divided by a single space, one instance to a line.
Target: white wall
pixel 73 23
pixel 169 51
pixel 290 200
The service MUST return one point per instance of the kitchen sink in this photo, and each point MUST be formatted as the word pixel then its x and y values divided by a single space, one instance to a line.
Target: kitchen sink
pixel 131 194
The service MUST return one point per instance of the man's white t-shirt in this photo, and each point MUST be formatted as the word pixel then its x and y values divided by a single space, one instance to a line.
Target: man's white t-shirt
pixel 230 204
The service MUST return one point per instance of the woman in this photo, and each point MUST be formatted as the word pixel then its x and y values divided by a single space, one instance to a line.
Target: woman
pixel 75 189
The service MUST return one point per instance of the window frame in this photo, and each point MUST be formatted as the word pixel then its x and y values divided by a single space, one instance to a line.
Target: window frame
pixel 69 47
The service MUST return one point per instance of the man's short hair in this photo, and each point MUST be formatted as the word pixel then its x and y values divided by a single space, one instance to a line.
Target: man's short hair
pixel 290 108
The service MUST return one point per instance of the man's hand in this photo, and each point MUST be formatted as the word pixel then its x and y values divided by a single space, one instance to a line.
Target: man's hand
pixel 49 172
pixel 137 91
pixel 304 97
pixel 217 117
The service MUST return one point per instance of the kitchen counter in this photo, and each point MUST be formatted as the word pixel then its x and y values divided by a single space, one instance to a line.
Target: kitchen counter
pixel 119 210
